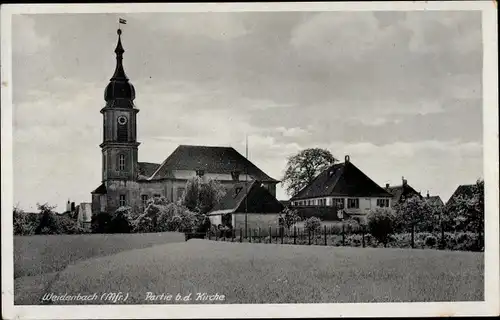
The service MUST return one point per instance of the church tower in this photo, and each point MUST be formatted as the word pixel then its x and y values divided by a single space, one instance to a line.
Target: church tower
pixel 119 146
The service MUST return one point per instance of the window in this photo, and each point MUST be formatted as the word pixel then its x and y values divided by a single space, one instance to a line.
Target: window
pixel 144 199
pixel 339 203
pixel 200 173
pixel 382 203
pixel 121 162
pixel 237 191
pixel 180 192
pixel 353 203
pixel 157 195
pixel 235 175
pixel 123 200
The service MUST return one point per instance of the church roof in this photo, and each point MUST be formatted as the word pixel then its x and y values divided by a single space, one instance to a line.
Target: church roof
pixel 211 160
pixel 119 92
pixel 100 189
pixel 146 169
pixel 342 179
pixel 249 197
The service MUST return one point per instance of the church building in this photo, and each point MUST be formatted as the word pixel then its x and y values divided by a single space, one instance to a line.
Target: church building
pixel 128 182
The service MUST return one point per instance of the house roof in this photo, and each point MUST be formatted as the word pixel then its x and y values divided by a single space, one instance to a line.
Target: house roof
pixel 435 200
pixel 210 159
pixel 100 189
pixel 343 179
pixel 249 197
pixel 402 190
pixel 285 203
pixel 462 190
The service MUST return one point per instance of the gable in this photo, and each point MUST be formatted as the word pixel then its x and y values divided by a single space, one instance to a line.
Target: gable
pixel 402 191
pixel 248 197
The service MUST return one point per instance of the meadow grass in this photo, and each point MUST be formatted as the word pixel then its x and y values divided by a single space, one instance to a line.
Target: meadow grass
pixel 35 255
pixel 273 273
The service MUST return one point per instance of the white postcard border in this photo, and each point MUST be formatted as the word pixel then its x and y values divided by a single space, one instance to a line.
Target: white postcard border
pixel 490 146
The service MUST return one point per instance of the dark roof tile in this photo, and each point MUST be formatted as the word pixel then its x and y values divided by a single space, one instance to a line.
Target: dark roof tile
pixel 343 179
pixel 210 159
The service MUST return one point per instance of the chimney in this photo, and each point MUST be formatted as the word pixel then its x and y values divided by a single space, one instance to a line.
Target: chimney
pixel 427 194
pixel 404 181
pixel 68 206
pixel 347 159
pixel 387 186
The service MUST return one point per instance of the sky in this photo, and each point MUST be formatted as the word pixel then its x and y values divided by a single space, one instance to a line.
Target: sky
pixel 399 92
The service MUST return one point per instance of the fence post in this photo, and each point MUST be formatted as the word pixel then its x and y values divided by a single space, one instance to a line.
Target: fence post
pixel 309 233
pixel 363 235
pixel 241 234
pixel 224 233
pixel 232 235
pixel 282 231
pixel 412 236
pixel 270 235
pixel 260 239
pixel 294 235
pixel 325 234
pixel 250 238
pixel 442 242
pixel 209 235
pixel 216 234
pixel 343 234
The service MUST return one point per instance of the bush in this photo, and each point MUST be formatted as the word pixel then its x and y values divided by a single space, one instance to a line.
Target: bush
pixel 161 216
pixel 53 223
pixel 381 224
pixel 312 224
pixel 101 222
pixel 430 241
pixel 25 223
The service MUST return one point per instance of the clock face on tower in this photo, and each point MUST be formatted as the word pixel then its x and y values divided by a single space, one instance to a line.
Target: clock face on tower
pixel 122 120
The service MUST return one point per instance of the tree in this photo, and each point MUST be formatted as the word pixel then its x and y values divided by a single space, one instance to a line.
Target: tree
pixel 380 223
pixel 201 196
pixel 468 211
pixel 288 218
pixel 415 214
pixel 303 167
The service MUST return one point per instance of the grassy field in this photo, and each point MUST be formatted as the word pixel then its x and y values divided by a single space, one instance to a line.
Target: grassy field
pixel 272 273
pixel 35 255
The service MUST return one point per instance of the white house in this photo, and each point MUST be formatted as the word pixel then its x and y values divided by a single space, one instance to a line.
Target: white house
pixel 346 187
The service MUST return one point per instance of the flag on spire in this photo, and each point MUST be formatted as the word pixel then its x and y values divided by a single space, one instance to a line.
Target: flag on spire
pixel 122 21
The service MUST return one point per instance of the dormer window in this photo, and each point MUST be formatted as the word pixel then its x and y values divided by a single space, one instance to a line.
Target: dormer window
pixel 237 191
pixel 235 175
pixel 200 173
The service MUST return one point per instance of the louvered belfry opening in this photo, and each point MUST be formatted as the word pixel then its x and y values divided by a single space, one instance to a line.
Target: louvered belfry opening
pixel 122 135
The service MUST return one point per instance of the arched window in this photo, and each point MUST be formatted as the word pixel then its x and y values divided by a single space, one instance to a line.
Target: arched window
pixel 121 162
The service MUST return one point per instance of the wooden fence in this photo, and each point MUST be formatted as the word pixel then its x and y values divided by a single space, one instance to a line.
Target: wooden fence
pixel 333 235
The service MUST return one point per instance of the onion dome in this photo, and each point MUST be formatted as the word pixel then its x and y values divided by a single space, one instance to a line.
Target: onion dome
pixel 119 92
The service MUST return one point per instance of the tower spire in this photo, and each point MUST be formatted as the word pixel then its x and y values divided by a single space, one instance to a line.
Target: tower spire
pixel 119 86
pixel 119 71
